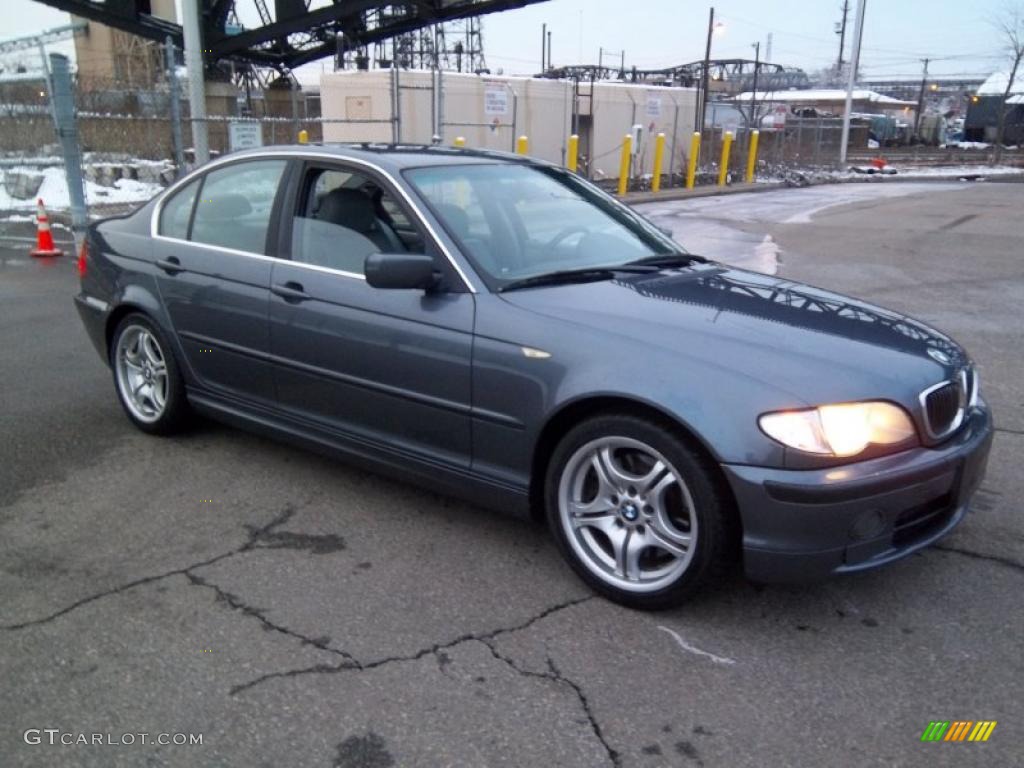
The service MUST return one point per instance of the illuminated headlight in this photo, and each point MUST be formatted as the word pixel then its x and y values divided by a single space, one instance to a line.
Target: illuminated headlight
pixel 840 430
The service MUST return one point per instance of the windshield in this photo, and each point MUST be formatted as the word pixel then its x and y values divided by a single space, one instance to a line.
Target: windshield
pixel 519 221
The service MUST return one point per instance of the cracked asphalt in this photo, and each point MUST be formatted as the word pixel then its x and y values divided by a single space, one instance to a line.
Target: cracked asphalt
pixel 298 612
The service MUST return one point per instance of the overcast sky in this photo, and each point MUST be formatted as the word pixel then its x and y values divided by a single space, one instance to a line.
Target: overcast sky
pixel 957 35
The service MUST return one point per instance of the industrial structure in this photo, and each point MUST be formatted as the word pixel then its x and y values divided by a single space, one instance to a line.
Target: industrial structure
pixel 291 34
pixel 728 76
pixel 492 112
pixel 983 113
pixel 107 54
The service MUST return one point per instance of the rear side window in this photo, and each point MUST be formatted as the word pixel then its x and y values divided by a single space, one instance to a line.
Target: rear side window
pixel 234 205
pixel 176 212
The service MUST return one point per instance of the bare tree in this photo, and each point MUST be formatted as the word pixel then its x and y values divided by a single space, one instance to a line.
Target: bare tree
pixel 1011 29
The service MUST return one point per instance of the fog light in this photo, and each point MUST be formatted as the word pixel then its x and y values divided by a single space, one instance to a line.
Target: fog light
pixel 867 525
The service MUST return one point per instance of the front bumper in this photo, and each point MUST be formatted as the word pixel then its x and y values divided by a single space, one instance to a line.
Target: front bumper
pixel 808 525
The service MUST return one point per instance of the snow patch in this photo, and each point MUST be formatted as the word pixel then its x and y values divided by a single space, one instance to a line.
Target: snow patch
pixel 54 192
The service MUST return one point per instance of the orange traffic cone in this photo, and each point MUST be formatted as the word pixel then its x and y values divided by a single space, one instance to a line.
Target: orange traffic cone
pixel 44 240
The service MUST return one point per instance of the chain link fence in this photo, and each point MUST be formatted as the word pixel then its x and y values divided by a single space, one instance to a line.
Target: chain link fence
pixel 128 132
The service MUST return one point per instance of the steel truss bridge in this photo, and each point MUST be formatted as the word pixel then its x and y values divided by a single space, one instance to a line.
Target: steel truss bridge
pixel 738 73
pixel 290 33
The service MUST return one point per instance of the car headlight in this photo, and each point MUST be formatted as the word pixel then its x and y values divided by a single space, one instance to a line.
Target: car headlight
pixel 840 430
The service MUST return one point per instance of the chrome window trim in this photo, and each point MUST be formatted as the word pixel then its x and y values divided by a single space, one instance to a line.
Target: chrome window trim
pixel 954 425
pixel 262 257
pixel 154 221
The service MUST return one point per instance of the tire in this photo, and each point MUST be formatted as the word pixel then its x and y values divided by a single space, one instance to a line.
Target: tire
pixel 642 536
pixel 143 362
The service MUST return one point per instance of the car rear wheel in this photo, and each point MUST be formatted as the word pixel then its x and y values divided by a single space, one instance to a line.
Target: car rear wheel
pixel 637 511
pixel 146 376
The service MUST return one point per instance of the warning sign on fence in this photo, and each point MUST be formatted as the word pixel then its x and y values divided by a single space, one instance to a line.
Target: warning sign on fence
pixel 495 100
pixel 244 135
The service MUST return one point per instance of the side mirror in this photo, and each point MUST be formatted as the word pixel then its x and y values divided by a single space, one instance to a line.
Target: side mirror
pixel 401 270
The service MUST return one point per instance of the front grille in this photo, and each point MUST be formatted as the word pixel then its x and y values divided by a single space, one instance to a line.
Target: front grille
pixel 944 405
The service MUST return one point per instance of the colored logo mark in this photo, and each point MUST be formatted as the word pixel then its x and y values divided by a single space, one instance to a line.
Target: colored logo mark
pixel 958 730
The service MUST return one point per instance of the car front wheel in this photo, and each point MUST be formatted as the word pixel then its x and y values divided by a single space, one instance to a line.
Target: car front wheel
pixel 636 510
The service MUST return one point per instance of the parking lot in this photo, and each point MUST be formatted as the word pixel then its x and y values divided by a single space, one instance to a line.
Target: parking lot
pixel 297 612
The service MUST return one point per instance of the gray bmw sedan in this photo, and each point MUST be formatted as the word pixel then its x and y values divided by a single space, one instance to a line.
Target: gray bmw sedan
pixel 499 328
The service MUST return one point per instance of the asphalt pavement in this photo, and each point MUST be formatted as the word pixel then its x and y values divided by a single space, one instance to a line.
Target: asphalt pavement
pixel 294 611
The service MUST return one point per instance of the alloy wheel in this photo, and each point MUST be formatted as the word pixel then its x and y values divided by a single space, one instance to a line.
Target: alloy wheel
pixel 627 514
pixel 142 373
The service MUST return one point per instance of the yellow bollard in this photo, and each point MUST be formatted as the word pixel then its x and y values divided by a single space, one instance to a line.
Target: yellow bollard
pixel 627 151
pixel 691 166
pixel 659 158
pixel 572 153
pixel 460 141
pixel 303 136
pixel 723 167
pixel 752 156
pixel 522 145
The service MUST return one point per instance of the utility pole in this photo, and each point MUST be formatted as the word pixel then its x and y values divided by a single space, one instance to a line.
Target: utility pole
pixel 196 78
pixel 543 47
pixel 920 100
pixel 851 81
pixel 549 49
pixel 753 98
pixel 704 74
pixel 768 48
pixel 842 38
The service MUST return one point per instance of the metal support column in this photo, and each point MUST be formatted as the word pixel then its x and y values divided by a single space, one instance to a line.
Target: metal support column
pixel 67 132
pixel 49 83
pixel 294 85
pixel 394 103
pixel 196 78
pixel 672 156
pixel 172 86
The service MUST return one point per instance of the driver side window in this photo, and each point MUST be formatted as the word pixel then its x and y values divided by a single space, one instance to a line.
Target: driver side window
pixel 343 217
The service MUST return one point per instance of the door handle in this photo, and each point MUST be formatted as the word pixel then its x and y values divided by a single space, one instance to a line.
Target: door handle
pixel 171 265
pixel 290 291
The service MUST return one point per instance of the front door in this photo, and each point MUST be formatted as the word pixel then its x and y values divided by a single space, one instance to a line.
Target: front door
pixel 390 368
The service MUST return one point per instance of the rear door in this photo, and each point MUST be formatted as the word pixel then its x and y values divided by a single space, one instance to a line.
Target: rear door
pixel 388 367
pixel 214 274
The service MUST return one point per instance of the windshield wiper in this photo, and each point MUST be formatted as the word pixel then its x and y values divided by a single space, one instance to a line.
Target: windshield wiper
pixel 668 260
pixel 581 275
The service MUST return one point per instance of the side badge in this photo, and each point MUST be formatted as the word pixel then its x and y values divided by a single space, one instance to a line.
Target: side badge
pixel 535 354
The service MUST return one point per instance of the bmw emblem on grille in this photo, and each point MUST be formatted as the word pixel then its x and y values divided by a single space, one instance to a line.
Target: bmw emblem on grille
pixel 939 356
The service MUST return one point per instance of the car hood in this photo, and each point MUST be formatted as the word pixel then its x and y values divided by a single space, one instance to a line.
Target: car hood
pixel 817 345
